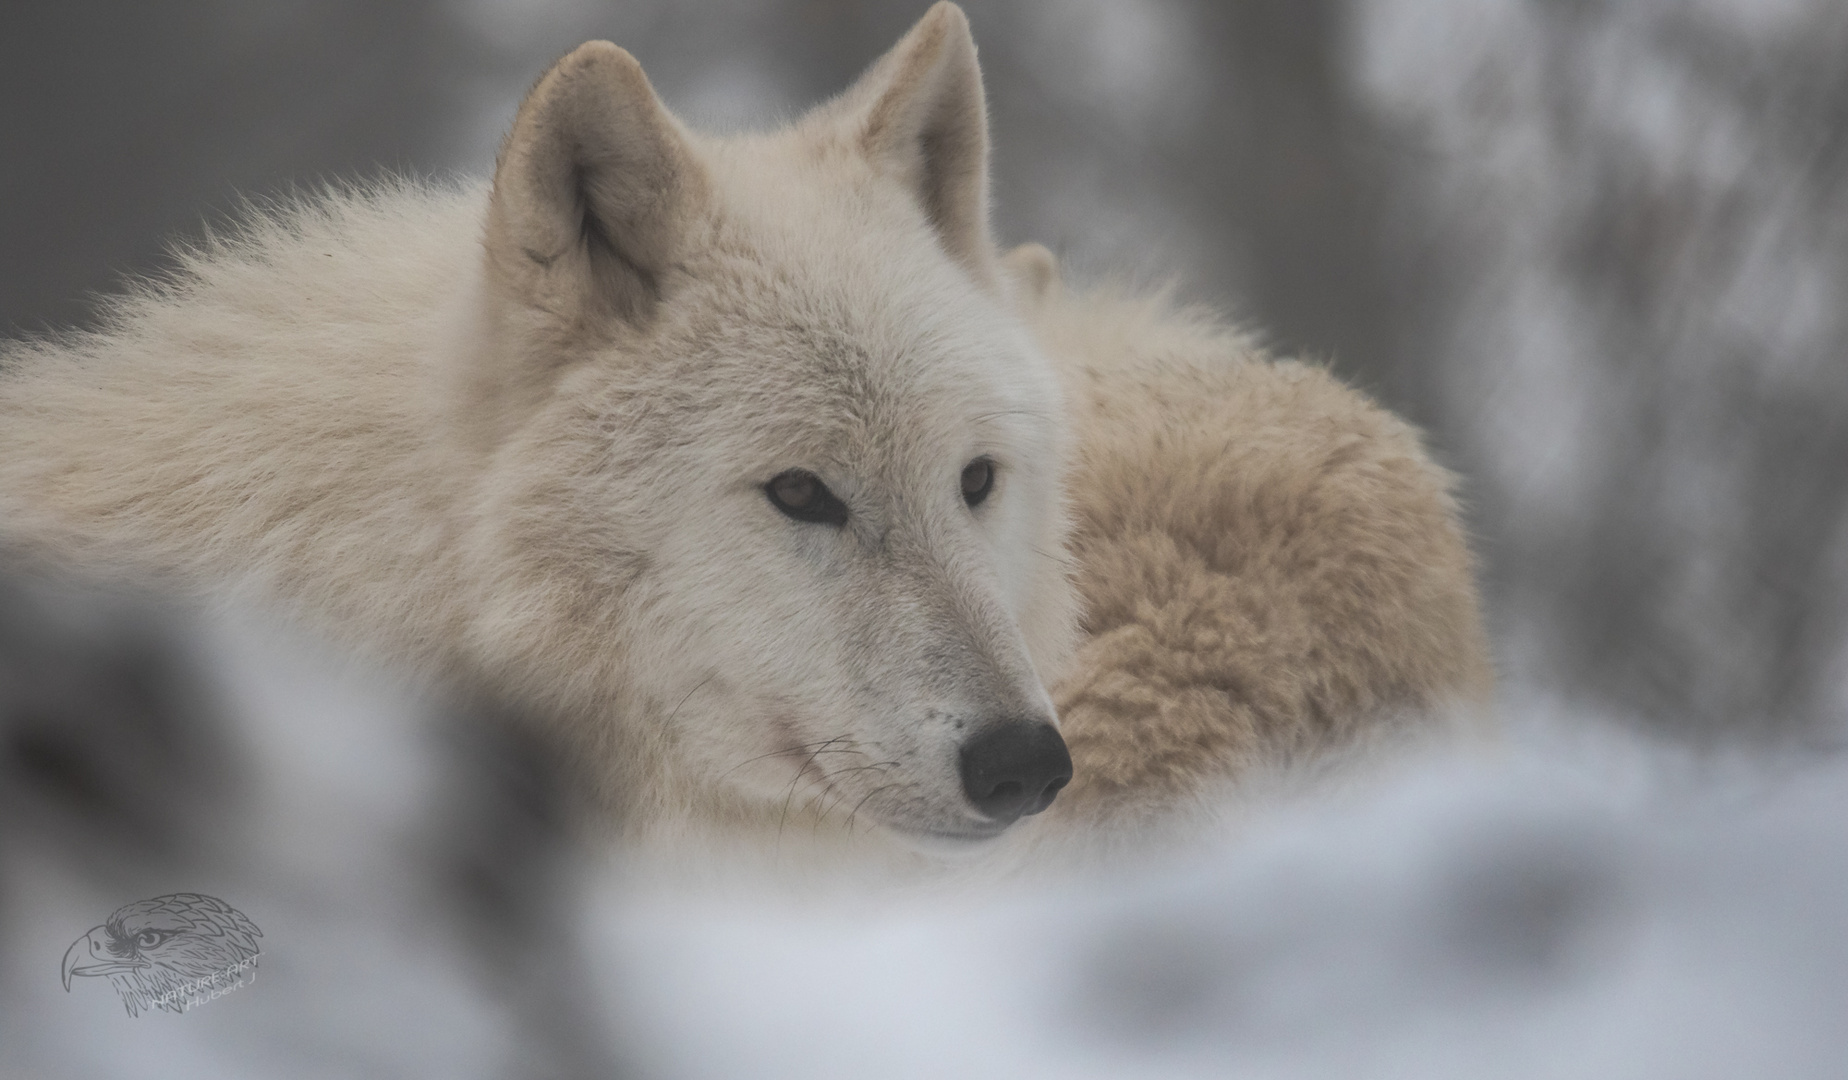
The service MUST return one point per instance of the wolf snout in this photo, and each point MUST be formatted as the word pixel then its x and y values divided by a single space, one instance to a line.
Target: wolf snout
pixel 1014 768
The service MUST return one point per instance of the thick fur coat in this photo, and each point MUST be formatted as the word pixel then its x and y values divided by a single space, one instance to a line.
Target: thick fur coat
pixel 530 439
pixel 1269 565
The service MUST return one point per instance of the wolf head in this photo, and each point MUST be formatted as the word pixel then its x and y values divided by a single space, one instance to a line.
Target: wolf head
pixel 769 475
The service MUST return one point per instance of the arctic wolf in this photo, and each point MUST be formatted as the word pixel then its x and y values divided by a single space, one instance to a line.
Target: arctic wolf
pixel 743 463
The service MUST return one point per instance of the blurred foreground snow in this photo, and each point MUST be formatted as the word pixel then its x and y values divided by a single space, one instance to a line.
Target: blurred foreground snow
pixel 1593 909
pixel 1580 902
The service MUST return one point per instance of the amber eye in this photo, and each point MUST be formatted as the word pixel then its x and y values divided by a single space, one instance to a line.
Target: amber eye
pixel 800 494
pixel 978 479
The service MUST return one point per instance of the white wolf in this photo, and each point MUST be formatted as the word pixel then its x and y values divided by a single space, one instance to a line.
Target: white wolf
pixel 741 462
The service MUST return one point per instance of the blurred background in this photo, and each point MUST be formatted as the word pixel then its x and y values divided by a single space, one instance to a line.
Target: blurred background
pixel 1598 250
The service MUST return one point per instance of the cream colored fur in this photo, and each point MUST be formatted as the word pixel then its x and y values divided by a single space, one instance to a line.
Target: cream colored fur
pixel 518 439
pixel 1270 565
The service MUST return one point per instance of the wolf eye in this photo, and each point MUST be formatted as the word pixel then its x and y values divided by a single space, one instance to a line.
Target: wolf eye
pixel 800 494
pixel 978 479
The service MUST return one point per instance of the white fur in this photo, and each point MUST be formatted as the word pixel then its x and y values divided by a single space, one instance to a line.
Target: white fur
pixel 441 449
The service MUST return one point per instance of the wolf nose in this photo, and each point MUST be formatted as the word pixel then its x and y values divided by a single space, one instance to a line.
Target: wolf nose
pixel 1014 768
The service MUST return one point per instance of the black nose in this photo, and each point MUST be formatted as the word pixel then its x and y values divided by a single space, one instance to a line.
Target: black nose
pixel 1014 768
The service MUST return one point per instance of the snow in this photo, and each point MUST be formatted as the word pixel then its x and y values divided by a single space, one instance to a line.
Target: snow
pixel 1576 900
pixel 1590 906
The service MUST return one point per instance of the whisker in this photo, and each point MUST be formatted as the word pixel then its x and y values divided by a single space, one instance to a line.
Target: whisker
pixel 862 802
pixel 690 693
pixel 790 751
pixel 841 796
pixel 787 799
pixel 1034 413
pixel 1063 560
pixel 814 794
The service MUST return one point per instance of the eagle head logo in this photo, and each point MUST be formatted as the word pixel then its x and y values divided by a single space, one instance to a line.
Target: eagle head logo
pixel 167 952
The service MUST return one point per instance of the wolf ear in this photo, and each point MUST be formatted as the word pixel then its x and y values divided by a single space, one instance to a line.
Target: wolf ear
pixel 591 194
pixel 922 118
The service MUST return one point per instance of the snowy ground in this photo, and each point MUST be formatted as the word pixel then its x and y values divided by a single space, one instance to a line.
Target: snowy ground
pixel 1580 903
pixel 1568 910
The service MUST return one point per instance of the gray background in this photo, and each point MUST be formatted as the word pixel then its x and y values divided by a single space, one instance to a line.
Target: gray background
pixel 1599 250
